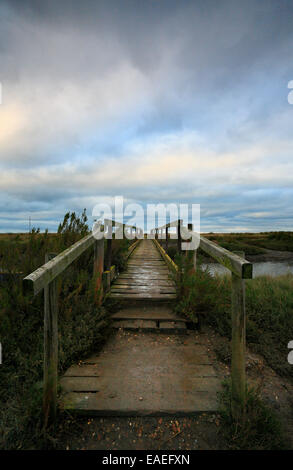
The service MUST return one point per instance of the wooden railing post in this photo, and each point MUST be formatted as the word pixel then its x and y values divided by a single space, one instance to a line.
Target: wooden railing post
pixel 191 253
pixel 179 236
pixel 50 349
pixel 238 345
pixel 108 257
pixel 167 236
pixel 99 268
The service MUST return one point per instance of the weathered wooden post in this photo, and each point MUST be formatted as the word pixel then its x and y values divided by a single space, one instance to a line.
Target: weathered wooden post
pixel 179 236
pixel 99 268
pixel 191 253
pixel 238 345
pixel 167 236
pixel 108 257
pixel 50 348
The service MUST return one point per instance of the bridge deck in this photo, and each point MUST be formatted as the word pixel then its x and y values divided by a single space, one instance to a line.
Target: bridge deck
pixel 138 373
pixel 147 276
pixel 143 374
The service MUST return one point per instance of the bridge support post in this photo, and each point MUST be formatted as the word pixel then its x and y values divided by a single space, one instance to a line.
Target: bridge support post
pixel 99 268
pixel 179 236
pixel 50 349
pixel 191 253
pixel 108 257
pixel 238 347
pixel 167 237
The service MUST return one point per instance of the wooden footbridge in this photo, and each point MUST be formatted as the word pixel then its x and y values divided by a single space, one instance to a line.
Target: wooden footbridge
pixel 139 373
pixel 147 277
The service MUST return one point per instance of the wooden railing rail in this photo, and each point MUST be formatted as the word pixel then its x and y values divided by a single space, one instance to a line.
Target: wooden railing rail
pixel 163 232
pixel 45 278
pixel 241 269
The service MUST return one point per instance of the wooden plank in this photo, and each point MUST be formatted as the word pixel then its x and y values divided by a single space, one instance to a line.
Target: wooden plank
pixel 148 271
pixel 108 255
pixel 238 346
pixel 140 289
pixel 140 314
pixel 85 370
pixel 98 404
pixel 50 350
pixel 98 269
pixel 96 384
pixel 143 296
pixel 157 264
pixel 149 277
pixel 147 268
pixel 144 286
pixel 179 223
pixel 136 282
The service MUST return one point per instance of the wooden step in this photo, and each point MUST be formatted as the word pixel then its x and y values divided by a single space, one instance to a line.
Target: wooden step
pixel 169 327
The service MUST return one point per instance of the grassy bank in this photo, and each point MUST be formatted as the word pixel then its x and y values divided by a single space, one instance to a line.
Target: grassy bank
pixel 21 326
pixel 269 310
pixel 254 243
pixel 251 243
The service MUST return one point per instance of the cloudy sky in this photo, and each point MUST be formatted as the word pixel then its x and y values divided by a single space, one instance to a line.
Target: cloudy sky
pixel 155 100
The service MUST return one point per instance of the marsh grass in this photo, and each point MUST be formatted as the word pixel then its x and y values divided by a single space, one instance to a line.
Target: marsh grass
pixel 269 310
pixel 269 313
pixel 21 328
pixel 259 428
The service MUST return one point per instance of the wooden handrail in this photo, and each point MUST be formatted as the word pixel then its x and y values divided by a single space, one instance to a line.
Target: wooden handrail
pixel 37 280
pixel 235 263
pixel 238 265
pixel 45 278
pixel 170 224
pixel 241 269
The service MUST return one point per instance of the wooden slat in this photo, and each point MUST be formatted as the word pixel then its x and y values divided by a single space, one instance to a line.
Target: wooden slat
pixel 138 282
pixel 50 350
pixel 141 289
pixel 144 295
pixel 150 277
